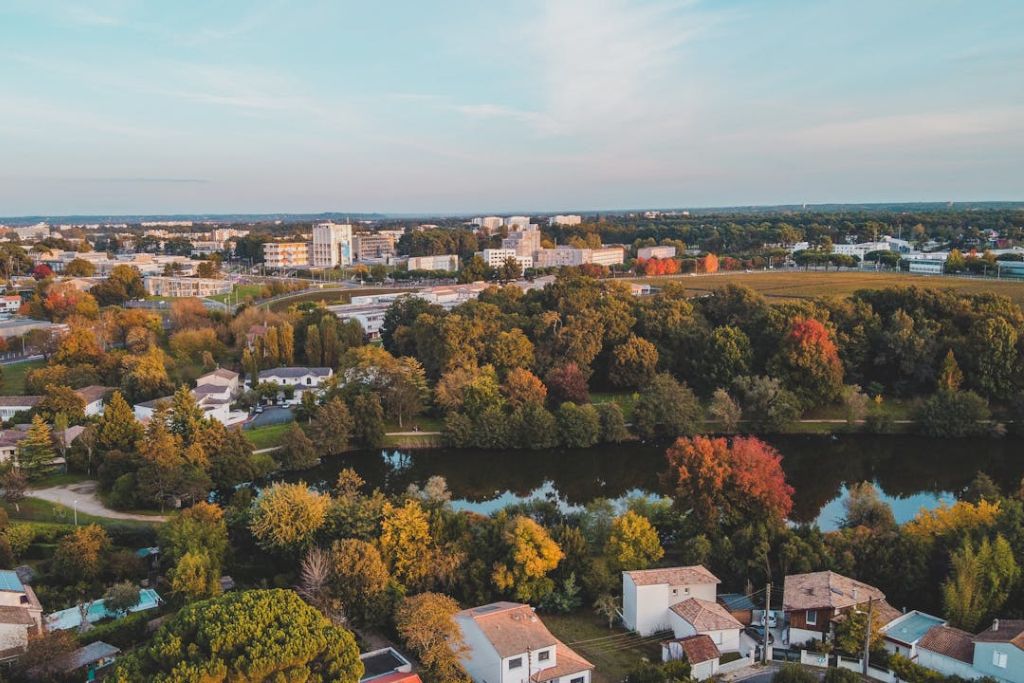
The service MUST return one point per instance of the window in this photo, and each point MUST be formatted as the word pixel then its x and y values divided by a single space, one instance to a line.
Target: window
pixel 309 380
pixel 544 656
pixel 515 663
pixel 578 679
pixel 811 617
pixel 999 659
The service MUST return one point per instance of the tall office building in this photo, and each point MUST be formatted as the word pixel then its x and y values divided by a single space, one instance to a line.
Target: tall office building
pixel 332 245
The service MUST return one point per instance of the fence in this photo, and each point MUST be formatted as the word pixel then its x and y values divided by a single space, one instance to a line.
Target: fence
pixel 823 660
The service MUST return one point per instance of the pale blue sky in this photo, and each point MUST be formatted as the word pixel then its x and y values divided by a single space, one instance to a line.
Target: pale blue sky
pixel 125 106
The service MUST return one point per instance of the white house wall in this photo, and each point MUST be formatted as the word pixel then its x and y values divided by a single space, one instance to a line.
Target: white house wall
pixel 946 665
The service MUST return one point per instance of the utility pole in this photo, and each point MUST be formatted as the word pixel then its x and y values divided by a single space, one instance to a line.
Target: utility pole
pixel 867 634
pixel 767 613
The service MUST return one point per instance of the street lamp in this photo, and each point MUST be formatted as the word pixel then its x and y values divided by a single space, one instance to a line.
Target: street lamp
pixel 76 511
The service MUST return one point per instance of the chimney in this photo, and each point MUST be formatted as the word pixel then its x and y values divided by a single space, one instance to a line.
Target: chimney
pixel 995 624
pixel 855 594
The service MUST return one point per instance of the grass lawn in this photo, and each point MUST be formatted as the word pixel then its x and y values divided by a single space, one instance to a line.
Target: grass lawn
pixel 613 653
pixel 14 376
pixel 625 399
pixel 43 511
pixel 335 295
pixel 241 292
pixel 797 284
pixel 413 441
pixel 268 436
pixel 59 479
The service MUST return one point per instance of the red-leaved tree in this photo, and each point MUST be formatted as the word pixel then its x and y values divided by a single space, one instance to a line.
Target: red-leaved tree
pixel 722 482
pixel 808 362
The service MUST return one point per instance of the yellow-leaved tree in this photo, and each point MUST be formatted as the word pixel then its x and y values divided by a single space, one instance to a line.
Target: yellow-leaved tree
pixel 530 555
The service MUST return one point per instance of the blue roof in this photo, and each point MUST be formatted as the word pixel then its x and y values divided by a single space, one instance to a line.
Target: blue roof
pixel 912 626
pixel 9 581
pixel 736 601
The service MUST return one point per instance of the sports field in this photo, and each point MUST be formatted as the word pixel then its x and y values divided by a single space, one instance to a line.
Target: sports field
pixel 799 284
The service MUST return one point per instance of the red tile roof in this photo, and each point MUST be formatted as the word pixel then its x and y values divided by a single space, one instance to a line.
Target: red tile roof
pixel 705 615
pixel 949 641
pixel 822 590
pixel 673 576
pixel 699 648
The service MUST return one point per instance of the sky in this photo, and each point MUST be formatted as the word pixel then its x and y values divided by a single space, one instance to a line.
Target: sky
pixel 406 106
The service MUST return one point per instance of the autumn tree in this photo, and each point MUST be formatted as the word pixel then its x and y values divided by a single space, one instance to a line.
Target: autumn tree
pixel 288 516
pixel 522 387
pixel 360 580
pixel 725 411
pixel 722 482
pixel 579 426
pixel 510 350
pixel 567 383
pixel 633 543
pixel 200 529
pixel 529 556
pixel 808 362
pixel 81 555
pixel 61 400
pixel 368 418
pixel 407 545
pixel 950 375
pixel 258 635
pixel 634 362
pixel 298 452
pixel 426 624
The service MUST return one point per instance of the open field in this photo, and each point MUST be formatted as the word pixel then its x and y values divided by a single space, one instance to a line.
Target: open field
pixel 240 292
pixel 798 284
pixel 14 377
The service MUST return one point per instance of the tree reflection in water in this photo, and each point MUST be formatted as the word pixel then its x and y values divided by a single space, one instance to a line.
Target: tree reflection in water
pixel 910 471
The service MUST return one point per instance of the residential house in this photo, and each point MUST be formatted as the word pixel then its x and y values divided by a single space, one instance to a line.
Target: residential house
pixel 700 651
pixel 948 651
pixel 812 602
pixel 9 440
pixel 21 615
pixel 902 634
pixel 12 405
pixel 999 651
pixel 9 305
pixel 694 616
pixel 648 595
pixel 387 665
pixel 300 379
pixel 221 377
pixel 214 400
pixel 506 642
pixel 93 396
pixel 740 606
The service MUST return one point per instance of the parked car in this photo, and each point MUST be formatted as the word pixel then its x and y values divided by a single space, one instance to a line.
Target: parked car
pixel 757 633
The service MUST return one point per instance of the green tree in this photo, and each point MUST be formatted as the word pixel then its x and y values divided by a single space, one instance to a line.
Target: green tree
pixel 953 414
pixel 980 583
pixel 727 354
pixel 666 409
pixel 613 423
pixel 81 555
pixel 121 597
pixel 368 418
pixel 35 451
pixel 299 451
pixel 950 375
pixel 766 406
pixel 725 411
pixel 578 426
pixel 195 577
pixel 633 543
pixel 331 427
pixel 258 635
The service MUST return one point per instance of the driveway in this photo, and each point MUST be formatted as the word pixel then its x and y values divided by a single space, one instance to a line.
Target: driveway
pixel 88 502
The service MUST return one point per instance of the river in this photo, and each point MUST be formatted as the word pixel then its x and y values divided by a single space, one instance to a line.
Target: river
pixel 911 472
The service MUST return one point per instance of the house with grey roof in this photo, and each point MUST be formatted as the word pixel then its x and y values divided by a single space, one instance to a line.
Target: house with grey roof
pixel 21 615
pixel 296 379
pixel 12 405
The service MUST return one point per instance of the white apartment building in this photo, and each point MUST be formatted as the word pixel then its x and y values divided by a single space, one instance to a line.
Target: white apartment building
pixel 332 245
pixel 495 258
pixel 859 250
pixel 570 219
pixel 185 286
pixel 607 256
pixel 561 256
pixel 284 255
pixel 449 262
pixel 646 253
pixel 489 224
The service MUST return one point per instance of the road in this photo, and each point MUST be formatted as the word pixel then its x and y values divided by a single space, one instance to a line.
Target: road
pixel 88 502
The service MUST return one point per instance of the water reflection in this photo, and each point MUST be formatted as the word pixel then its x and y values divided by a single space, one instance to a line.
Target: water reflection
pixel 910 471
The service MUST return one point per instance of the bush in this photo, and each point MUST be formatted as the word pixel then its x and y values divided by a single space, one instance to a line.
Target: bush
pixel 133 536
pixel 953 414
pixel 794 673
pixel 122 493
pixel 841 676
pixel 124 633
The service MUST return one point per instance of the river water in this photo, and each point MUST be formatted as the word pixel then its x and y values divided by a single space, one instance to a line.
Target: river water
pixel 911 472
